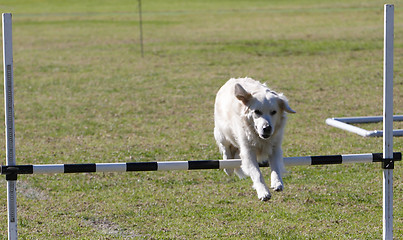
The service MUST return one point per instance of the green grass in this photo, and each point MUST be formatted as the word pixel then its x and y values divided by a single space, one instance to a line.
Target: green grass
pixel 83 94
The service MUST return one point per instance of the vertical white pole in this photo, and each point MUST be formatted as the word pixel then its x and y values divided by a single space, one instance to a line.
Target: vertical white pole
pixel 9 121
pixel 388 123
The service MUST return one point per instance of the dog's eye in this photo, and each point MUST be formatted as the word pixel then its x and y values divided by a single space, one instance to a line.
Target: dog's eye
pixel 273 112
pixel 258 112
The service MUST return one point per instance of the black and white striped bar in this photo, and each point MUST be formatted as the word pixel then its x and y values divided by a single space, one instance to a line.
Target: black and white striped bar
pixel 187 165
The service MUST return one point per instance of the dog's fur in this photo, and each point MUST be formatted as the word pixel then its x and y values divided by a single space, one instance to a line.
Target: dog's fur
pixel 249 122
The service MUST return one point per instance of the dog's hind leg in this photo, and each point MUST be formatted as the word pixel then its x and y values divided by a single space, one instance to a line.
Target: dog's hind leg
pixel 226 154
pixel 229 171
pixel 238 171
pixel 225 148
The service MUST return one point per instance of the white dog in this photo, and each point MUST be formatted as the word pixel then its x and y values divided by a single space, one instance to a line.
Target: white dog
pixel 249 122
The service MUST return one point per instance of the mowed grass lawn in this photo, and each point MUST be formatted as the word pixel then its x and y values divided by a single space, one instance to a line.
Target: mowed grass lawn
pixel 84 94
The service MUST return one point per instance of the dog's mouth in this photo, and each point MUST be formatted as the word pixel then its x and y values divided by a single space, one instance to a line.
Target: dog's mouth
pixel 265 136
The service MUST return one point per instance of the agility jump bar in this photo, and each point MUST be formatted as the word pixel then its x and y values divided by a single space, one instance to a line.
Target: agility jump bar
pixel 189 165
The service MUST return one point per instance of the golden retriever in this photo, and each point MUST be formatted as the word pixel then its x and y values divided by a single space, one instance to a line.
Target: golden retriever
pixel 249 124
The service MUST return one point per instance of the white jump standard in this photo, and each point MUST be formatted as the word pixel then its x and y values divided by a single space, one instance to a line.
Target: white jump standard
pixel 9 121
pixel 387 200
pixel 387 158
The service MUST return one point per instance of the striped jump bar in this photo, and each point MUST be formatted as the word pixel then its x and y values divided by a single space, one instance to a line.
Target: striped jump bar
pixel 188 165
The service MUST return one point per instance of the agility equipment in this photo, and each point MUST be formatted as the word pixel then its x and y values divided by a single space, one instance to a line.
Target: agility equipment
pixel 11 170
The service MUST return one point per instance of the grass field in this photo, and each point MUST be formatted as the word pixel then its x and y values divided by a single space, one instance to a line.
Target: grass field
pixel 84 94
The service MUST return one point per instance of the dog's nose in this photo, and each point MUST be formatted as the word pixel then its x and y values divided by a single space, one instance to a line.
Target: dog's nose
pixel 267 131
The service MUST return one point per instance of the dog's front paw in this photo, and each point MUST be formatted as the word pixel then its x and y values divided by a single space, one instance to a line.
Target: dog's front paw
pixel 264 197
pixel 278 186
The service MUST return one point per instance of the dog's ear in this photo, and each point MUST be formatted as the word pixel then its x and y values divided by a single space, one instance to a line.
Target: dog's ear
pixel 242 94
pixel 284 104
